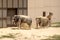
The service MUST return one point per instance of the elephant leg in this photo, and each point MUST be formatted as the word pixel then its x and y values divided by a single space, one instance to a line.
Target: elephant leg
pixel 37 25
pixel 19 24
pixel 29 25
pixel 49 23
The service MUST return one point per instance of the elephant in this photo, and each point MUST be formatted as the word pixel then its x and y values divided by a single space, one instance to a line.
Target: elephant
pixel 19 19
pixel 42 21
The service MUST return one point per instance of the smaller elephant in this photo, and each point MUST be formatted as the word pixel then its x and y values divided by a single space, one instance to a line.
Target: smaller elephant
pixel 41 21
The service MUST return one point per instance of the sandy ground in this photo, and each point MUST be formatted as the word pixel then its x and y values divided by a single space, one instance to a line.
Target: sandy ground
pixel 33 34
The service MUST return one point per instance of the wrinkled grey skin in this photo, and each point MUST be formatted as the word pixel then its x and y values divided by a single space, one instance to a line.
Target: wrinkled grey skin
pixel 23 19
pixel 42 22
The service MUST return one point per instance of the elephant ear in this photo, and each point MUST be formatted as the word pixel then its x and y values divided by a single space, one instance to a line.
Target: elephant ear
pixel 16 18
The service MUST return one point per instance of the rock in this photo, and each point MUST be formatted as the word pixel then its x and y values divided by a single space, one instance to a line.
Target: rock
pixel 25 26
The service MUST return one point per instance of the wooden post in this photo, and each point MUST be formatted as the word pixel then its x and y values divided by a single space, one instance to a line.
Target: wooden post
pixel 44 14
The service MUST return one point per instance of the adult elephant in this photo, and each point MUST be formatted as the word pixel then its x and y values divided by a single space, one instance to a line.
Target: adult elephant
pixel 42 21
pixel 19 19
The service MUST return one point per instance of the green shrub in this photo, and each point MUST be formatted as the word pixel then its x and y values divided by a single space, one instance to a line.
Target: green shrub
pixel 56 24
pixel 55 37
pixel 7 36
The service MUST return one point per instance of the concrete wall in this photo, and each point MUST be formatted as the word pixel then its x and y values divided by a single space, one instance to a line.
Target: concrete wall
pixel 36 8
